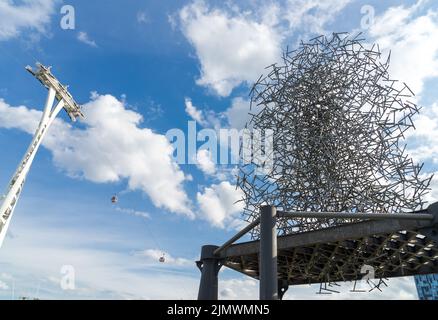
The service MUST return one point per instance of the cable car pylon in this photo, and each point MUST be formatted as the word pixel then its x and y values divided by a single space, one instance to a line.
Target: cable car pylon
pixel 65 101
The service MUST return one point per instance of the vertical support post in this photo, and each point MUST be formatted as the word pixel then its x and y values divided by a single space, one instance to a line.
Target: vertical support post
pixel 209 266
pixel 268 254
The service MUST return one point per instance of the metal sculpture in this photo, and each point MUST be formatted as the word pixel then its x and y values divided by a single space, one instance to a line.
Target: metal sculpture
pixel 336 198
pixel 338 122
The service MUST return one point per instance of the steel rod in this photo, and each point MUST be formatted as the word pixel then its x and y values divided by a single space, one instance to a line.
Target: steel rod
pixel 239 235
pixel 353 215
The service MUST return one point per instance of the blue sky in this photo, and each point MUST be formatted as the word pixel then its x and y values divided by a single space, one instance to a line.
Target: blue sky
pixel 141 68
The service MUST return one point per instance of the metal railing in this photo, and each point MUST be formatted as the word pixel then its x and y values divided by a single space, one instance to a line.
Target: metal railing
pixel 415 215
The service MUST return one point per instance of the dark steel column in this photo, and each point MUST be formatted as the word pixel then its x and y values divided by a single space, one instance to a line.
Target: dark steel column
pixel 209 266
pixel 268 254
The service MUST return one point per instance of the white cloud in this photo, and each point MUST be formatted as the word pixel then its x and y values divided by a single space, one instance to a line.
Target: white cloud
pixel 83 37
pixel 311 16
pixel 247 288
pixel 432 196
pixel 112 147
pixel 231 47
pixel 193 112
pixel 106 271
pixel 422 142
pixel 204 117
pixel 3 286
pixel 236 116
pixel 29 15
pixel 217 205
pixel 235 45
pixel 402 288
pixel 6 276
pixel 238 113
pixel 412 40
pixel 205 162
pixel 133 212
pixel 411 36
pixel 239 289
pixel 153 255
pixel 143 17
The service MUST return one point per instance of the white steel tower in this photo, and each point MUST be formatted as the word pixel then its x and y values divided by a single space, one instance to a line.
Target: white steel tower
pixel 63 100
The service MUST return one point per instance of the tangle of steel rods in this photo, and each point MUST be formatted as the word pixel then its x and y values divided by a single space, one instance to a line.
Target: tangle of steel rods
pixel 338 122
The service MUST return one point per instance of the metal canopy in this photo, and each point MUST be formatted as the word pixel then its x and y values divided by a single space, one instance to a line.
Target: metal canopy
pixel 396 247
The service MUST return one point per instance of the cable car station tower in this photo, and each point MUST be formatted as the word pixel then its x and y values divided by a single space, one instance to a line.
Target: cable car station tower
pixel 65 101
